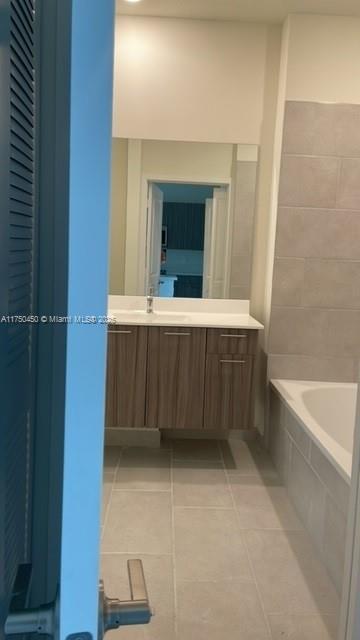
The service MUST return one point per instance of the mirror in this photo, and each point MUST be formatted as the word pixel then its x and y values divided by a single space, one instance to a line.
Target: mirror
pixel 182 218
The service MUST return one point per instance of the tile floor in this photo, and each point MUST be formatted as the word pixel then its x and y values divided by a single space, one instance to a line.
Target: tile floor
pixel 224 553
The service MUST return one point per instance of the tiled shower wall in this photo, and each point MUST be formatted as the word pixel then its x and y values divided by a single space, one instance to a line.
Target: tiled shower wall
pixel 315 315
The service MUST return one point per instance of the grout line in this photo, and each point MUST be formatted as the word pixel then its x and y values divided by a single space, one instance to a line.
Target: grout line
pixel 303 615
pixel 319 155
pixel 173 543
pixel 319 259
pixel 327 209
pixel 338 181
pixel 217 581
pixel 315 308
pixel 198 460
pixel 246 549
pixel 116 490
pixel 137 553
pixel 202 507
pixel 111 493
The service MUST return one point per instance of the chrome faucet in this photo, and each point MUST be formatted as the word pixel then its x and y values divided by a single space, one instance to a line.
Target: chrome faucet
pixel 150 301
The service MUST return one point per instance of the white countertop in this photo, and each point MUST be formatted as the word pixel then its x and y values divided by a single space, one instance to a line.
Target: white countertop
pixel 128 310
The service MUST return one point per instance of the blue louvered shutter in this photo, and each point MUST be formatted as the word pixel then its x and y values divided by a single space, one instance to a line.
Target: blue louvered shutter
pixel 17 282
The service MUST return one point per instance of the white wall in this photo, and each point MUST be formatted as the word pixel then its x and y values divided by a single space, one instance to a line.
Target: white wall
pixel 266 205
pixel 192 80
pixel 265 176
pixel 179 160
pixel 118 216
pixel 323 59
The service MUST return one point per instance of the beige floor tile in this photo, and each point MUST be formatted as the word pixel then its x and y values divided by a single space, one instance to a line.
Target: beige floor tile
pixel 109 475
pixel 263 504
pixel 159 578
pixel 106 493
pixel 196 450
pixel 144 469
pixel 214 611
pixel 247 458
pixel 208 545
pixel 216 592
pixel 291 579
pixel 303 627
pixel 200 484
pixel 138 522
pixel 111 457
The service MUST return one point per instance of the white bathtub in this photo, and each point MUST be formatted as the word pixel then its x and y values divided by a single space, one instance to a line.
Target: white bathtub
pixel 326 410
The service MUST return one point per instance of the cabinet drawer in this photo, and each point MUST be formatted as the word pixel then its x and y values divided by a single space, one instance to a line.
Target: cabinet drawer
pixel 228 384
pixel 231 341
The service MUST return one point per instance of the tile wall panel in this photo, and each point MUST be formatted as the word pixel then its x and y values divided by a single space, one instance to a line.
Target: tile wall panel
pixel 315 316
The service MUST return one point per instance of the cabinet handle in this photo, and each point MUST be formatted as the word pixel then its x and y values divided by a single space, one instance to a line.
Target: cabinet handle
pixel 120 331
pixel 232 361
pixel 176 333
pixel 233 335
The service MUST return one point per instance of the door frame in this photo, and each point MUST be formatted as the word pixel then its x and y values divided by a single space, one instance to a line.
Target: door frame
pixel 207 267
pixel 149 235
pixel 76 94
pixel 212 249
pixel 51 201
pixel 142 248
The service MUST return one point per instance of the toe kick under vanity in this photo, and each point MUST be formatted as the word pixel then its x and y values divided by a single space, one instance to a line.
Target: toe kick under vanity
pixel 172 370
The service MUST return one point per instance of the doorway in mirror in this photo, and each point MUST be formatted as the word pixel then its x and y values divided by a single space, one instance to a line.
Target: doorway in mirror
pixel 187 234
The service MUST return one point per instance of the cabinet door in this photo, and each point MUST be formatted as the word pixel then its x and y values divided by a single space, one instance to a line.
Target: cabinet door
pixel 176 372
pixel 228 391
pixel 126 376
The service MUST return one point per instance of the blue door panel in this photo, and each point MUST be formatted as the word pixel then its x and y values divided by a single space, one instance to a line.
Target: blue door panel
pixel 17 285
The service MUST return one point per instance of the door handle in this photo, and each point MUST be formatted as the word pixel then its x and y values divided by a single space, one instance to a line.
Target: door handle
pixel 233 335
pixel 121 332
pixel 177 333
pixel 114 613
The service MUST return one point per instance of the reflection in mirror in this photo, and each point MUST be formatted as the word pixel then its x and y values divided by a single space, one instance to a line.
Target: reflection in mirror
pixel 182 219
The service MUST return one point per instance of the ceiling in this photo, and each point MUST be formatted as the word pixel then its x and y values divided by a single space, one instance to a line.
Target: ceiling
pixel 246 10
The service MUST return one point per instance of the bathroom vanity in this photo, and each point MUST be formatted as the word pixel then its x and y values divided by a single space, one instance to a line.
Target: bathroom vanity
pixel 191 370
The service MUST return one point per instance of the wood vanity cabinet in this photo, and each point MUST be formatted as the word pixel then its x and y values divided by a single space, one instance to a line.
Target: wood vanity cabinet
pixel 175 379
pixel 180 377
pixel 126 376
pixel 228 380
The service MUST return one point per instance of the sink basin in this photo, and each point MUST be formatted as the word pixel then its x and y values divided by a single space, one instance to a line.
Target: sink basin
pixel 121 312
pixel 170 317
pixel 130 316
